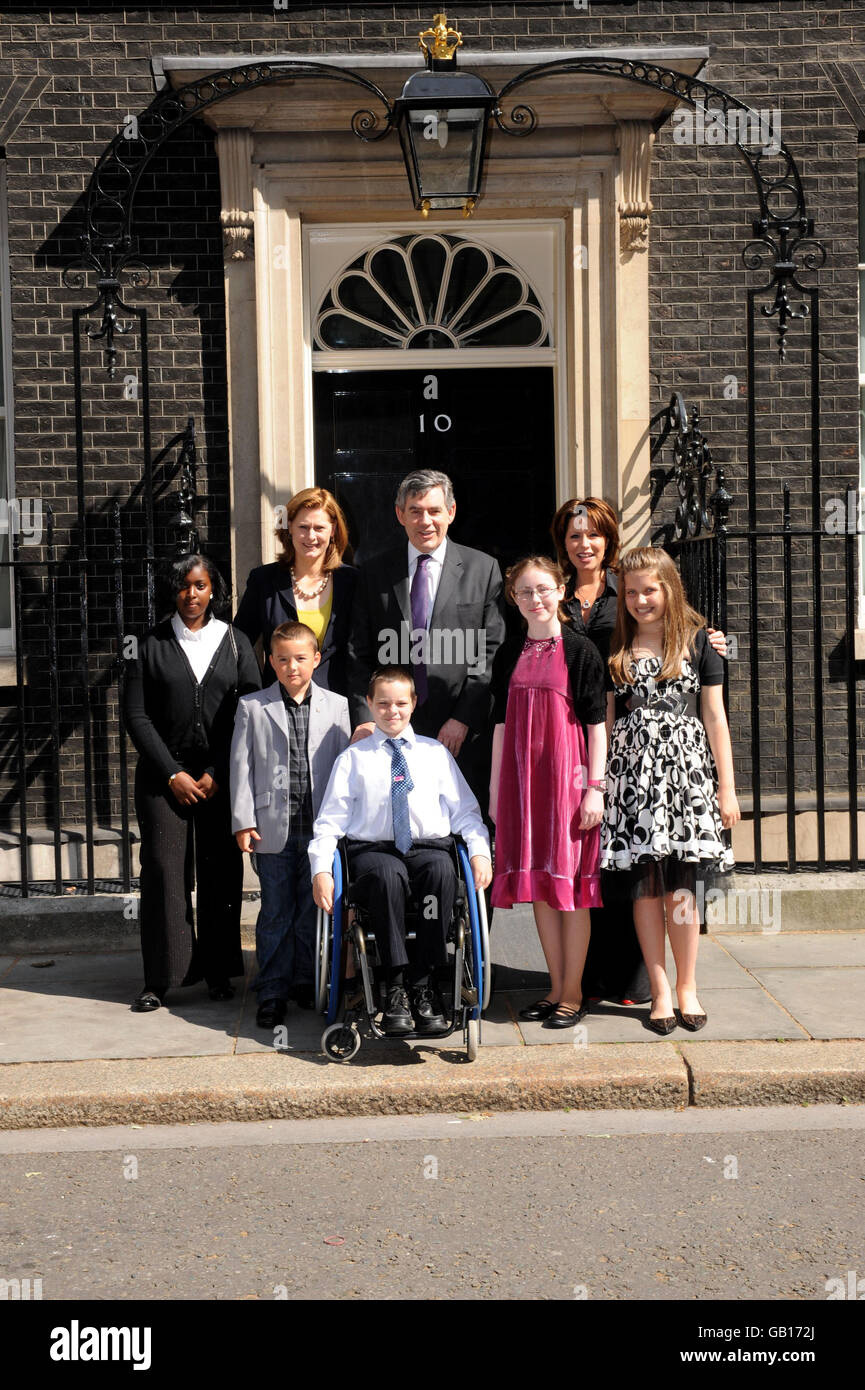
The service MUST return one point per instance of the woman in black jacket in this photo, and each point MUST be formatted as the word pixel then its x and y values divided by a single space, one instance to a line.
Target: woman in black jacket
pixel 181 696
pixel 308 583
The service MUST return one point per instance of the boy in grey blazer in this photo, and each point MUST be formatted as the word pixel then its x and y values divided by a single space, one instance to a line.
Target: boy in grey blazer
pixel 286 741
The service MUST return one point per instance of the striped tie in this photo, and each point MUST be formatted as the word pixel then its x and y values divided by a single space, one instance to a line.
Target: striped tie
pixel 400 786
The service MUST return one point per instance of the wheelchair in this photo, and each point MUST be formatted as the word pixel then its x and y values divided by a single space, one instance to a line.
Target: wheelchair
pixel 348 929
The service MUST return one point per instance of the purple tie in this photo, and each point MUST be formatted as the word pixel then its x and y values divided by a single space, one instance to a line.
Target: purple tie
pixel 420 616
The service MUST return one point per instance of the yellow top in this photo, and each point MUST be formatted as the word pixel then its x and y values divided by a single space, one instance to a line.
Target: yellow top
pixel 317 618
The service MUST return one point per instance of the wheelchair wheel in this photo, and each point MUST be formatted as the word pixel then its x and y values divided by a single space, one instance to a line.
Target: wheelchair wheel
pixel 485 951
pixel 322 957
pixel 473 1038
pixel 341 1041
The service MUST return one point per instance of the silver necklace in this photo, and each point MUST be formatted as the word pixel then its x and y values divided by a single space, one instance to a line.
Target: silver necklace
pixel 585 602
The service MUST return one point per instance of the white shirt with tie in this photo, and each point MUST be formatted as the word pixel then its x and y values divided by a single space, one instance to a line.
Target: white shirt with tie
pixel 433 570
pixel 199 645
pixel 357 802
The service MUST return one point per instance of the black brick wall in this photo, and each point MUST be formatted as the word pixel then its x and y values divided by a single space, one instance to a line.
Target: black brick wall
pixel 97 63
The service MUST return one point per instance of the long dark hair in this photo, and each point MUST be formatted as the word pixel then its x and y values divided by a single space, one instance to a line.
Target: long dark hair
pixel 170 581
pixel 598 513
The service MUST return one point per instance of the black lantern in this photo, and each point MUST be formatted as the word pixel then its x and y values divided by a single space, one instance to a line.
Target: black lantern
pixel 442 119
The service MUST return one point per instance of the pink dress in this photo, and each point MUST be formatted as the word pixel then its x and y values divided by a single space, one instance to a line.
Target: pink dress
pixel 541 853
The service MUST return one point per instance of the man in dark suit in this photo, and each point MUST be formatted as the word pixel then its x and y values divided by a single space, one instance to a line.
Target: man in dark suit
pixel 436 607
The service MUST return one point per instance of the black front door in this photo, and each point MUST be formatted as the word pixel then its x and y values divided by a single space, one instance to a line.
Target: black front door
pixel 490 429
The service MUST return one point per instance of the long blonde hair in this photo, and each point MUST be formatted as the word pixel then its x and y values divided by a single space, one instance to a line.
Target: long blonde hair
pixel 681 621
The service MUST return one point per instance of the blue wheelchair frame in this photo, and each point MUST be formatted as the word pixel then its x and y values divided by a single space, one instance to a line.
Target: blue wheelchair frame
pixel 329 988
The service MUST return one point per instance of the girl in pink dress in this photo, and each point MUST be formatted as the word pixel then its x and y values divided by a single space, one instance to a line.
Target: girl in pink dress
pixel 545 790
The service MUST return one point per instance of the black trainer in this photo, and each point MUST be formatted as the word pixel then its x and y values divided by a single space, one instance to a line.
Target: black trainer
pixel 428 1010
pixel 397 1018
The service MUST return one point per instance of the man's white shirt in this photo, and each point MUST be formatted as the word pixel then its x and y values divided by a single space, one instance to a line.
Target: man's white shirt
pixel 357 802
pixel 433 572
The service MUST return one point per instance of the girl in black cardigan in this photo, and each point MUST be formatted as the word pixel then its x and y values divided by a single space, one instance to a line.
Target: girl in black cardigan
pixel 546 788
pixel 181 696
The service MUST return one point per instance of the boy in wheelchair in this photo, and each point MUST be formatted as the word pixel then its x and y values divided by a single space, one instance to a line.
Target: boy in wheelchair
pixel 397 798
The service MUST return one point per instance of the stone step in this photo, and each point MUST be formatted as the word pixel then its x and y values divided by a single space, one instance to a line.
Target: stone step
pixel 107 853
pixel 766 903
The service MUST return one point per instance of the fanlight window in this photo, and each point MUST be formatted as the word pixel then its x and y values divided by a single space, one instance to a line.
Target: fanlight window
pixel 430 291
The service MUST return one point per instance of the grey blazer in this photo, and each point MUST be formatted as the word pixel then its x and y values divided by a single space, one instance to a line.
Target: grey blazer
pixel 259 754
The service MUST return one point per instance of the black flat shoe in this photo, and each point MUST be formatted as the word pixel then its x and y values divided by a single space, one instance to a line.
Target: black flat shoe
pixel 304 997
pixel 693 1022
pixel 537 1012
pixel 566 1018
pixel 222 990
pixel 146 1002
pixel 663 1026
pixel 270 1013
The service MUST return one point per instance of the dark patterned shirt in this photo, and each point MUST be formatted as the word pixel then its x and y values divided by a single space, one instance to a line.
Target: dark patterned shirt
pixel 299 789
pixel 598 622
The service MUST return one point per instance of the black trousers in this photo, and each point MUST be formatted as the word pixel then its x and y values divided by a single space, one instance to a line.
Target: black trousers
pixel 181 847
pixel 614 967
pixel 381 880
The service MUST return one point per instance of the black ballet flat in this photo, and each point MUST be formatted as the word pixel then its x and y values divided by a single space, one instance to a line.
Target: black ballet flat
pixel 663 1026
pixel 693 1022
pixel 537 1012
pixel 146 1002
pixel 566 1018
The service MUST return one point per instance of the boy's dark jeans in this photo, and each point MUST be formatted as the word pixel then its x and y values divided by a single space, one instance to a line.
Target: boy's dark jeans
pixel 285 930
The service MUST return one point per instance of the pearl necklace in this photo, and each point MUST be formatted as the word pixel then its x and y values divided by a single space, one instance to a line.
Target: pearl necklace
pixel 303 593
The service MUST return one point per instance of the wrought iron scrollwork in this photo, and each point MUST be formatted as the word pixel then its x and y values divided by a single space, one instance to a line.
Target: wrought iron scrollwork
pixel 790 257
pixel 782 227
pixel 107 243
pixel 698 510
pixel 183 520
pixel 110 263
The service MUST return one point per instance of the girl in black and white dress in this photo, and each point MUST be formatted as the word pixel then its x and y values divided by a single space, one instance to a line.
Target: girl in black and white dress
pixel 670 787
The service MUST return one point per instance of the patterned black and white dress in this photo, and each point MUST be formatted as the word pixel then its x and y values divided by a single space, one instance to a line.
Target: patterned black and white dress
pixel 661 820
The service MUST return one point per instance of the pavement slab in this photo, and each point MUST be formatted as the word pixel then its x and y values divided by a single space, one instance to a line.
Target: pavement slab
pixel 788 949
pixel 830 1003
pixel 79 1005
